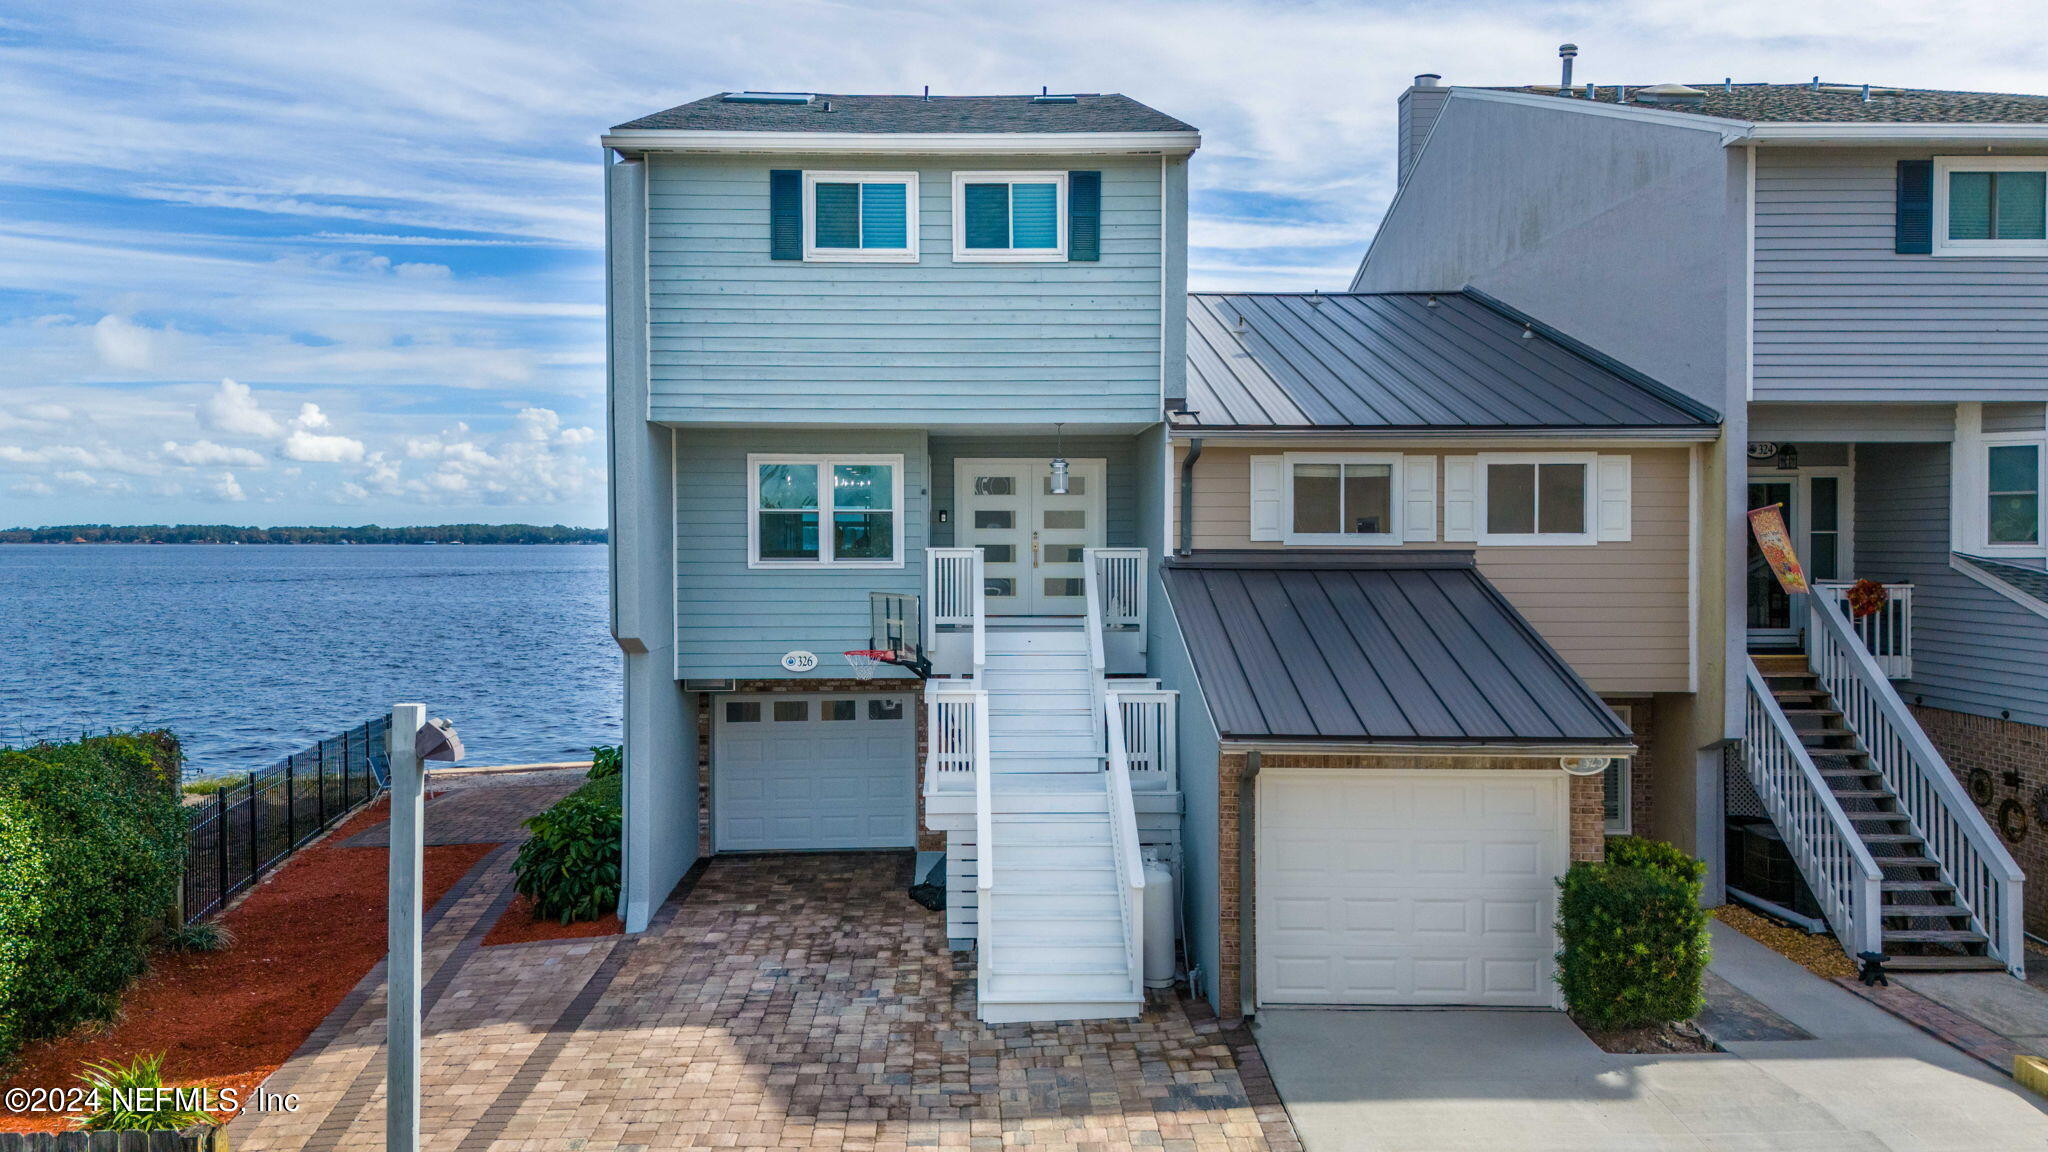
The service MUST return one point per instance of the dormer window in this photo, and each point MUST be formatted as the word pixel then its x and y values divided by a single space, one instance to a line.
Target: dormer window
pixel 860 217
pixel 1009 216
pixel 1991 206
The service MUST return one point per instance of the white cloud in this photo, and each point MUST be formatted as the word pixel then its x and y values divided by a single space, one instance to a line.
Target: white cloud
pixel 233 409
pixel 201 453
pixel 123 345
pixel 225 487
pixel 312 448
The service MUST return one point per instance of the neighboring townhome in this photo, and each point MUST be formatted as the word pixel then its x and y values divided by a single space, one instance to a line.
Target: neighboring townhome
pixel 1858 277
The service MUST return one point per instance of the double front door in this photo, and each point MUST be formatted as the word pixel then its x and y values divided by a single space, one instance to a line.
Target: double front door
pixel 1817 515
pixel 1031 537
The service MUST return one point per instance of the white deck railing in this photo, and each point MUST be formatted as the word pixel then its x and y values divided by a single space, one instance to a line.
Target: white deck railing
pixel 984 846
pixel 1838 868
pixel 949 736
pixel 1887 633
pixel 1123 843
pixel 956 595
pixel 1986 879
pixel 1151 738
pixel 1121 574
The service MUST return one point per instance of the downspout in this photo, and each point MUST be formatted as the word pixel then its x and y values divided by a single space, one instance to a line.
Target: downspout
pixel 1187 497
pixel 1247 875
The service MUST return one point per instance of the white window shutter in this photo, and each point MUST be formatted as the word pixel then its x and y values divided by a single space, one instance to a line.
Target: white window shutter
pixel 1418 496
pixel 1614 502
pixel 1267 474
pixel 1461 517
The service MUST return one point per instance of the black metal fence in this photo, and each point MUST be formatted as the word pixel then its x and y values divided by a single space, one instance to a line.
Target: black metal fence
pixel 247 828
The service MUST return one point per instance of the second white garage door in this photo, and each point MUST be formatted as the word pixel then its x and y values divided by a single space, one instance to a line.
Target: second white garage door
pixel 1408 887
pixel 806 773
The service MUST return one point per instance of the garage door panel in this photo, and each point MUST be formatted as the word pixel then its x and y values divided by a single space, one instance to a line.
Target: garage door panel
pixel 813 774
pixel 1453 904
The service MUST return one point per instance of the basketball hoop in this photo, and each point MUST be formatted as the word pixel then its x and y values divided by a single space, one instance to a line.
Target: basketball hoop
pixel 865 662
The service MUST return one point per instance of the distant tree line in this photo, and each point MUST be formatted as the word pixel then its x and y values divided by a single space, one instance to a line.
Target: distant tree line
pixel 361 534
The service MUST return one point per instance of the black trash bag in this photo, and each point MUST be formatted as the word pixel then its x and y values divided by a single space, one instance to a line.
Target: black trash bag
pixel 931 891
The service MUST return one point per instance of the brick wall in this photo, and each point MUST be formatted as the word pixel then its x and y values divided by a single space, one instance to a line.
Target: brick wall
pixel 926 841
pixel 2003 765
pixel 1235 854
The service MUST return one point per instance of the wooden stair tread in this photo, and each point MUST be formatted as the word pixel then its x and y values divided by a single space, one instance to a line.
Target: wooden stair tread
pixel 1934 936
pixel 1917 911
pixel 1891 837
pixel 1945 964
pixel 1917 886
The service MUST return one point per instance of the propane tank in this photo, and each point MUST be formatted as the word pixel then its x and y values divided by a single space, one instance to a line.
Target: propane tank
pixel 1159 921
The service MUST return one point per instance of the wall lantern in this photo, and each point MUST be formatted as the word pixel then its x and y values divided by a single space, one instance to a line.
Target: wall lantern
pixel 1059 462
pixel 1788 458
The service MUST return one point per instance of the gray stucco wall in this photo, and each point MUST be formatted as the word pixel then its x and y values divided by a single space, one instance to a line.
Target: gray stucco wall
pixel 1841 316
pixel 737 337
pixel 1973 650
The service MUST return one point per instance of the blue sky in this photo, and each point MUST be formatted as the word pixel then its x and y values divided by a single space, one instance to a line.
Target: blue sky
pixel 292 263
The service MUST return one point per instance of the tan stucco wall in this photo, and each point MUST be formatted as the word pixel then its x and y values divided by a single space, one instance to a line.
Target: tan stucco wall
pixel 1620 611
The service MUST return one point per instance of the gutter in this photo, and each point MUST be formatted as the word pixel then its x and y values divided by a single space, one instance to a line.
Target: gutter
pixel 1617 748
pixel 1187 495
pixel 1350 434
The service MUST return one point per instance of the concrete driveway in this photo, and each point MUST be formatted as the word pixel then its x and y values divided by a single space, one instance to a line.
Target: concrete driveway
pixel 1860 1079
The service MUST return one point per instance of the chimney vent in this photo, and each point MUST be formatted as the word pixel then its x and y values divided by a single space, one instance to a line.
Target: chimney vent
pixel 1429 80
pixel 1566 53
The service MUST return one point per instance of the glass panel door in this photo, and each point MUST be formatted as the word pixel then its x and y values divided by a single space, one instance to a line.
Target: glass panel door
pixel 1770 609
pixel 1032 539
pixel 995 516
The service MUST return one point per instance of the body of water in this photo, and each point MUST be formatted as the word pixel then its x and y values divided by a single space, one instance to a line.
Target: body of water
pixel 250 652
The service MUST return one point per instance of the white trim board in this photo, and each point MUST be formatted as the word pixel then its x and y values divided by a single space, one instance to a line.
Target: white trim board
pixel 899 143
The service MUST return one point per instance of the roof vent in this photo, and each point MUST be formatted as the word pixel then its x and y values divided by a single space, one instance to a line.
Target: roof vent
pixel 1429 80
pixel 1567 53
pixel 768 97
pixel 1047 98
pixel 1670 94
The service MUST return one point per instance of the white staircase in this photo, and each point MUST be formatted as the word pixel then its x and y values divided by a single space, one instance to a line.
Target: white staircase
pixel 1057 920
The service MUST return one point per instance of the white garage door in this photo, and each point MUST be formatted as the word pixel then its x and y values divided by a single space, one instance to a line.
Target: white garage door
pixel 1385 887
pixel 813 772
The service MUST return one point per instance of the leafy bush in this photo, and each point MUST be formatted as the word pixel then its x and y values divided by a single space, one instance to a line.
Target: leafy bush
pixel 131 1098
pixel 1633 940
pixel 208 785
pixel 1656 856
pixel 570 866
pixel 92 843
pixel 606 761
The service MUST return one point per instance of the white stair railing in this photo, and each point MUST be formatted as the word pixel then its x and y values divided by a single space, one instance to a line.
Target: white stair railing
pixel 949 740
pixel 1832 857
pixel 1123 844
pixel 1091 587
pixel 1986 879
pixel 956 595
pixel 1151 738
pixel 1886 633
pixel 984 848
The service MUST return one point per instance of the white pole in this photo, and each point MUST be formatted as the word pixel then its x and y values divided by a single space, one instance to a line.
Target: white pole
pixel 402 1011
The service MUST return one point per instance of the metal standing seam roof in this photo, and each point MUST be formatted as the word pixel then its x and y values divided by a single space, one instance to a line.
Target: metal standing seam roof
pixel 1393 360
pixel 1832 104
pixel 1406 647
pixel 1089 112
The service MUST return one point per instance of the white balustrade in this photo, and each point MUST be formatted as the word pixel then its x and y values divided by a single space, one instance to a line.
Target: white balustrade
pixel 1887 633
pixel 1151 735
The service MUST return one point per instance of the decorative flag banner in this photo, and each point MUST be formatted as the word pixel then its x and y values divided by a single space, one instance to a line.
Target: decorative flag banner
pixel 1768 524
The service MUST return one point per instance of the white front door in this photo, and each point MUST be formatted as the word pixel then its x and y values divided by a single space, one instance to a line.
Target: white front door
pixel 1408 887
pixel 1031 539
pixel 796 773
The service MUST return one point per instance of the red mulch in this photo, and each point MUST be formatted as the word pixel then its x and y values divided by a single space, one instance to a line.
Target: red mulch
pixel 303 939
pixel 519 926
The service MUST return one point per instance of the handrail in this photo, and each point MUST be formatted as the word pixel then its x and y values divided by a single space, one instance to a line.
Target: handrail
pixel 1838 866
pixel 984 843
pixel 1986 879
pixel 1091 580
pixel 1123 836
pixel 980 570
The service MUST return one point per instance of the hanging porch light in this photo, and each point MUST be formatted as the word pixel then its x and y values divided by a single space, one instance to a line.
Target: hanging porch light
pixel 1059 461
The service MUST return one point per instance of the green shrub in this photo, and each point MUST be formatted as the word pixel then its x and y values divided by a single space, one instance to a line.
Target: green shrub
pixel 606 761
pixel 1656 856
pixel 1633 943
pixel 92 843
pixel 570 866
pixel 208 785
pixel 199 936
pixel 131 1099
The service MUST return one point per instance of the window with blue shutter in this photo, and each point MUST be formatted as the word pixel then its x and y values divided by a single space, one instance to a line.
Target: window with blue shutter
pixel 785 214
pixel 1988 206
pixel 857 216
pixel 1009 216
pixel 1084 215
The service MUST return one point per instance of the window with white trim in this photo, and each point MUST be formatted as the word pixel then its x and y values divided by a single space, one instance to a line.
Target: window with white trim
pixel 825 511
pixel 1341 498
pixel 1536 498
pixel 1009 216
pixel 2012 492
pixel 1991 206
pixel 860 216
pixel 1616 785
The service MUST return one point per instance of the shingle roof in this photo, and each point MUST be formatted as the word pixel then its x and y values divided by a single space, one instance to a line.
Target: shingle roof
pixel 1093 112
pixel 1397 360
pixel 1841 103
pixel 1394 647
pixel 2031 582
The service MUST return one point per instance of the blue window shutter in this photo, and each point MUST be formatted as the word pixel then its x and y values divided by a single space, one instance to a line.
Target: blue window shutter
pixel 785 214
pixel 884 219
pixel 1913 231
pixel 1034 216
pixel 837 220
pixel 987 208
pixel 1084 215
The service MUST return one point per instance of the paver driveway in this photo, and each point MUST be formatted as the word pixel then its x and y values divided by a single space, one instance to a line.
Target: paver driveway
pixel 782 1002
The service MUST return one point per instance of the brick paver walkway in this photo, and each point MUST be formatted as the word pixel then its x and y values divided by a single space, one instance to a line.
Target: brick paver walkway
pixel 784 1002
pixel 475 815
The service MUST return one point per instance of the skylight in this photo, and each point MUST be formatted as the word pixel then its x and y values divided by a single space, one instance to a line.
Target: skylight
pixel 768 97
